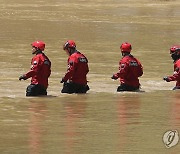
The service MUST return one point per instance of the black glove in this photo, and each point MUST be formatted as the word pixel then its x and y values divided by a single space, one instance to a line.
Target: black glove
pixel 62 80
pixel 22 77
pixel 166 79
pixel 114 77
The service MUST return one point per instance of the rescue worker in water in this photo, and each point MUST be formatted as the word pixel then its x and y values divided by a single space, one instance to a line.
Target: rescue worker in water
pixel 40 71
pixel 75 80
pixel 175 55
pixel 130 69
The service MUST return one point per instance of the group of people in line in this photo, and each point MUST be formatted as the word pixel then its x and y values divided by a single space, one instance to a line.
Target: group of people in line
pixel 75 79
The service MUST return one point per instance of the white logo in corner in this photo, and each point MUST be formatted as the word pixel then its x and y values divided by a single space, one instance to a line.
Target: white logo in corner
pixel 171 138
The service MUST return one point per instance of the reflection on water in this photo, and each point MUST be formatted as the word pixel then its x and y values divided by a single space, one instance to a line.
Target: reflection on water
pixel 74 112
pixel 128 111
pixel 174 110
pixel 102 121
pixel 37 112
pixel 92 123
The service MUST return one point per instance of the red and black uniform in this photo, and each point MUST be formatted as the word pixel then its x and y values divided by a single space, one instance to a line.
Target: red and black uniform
pixel 76 74
pixel 39 73
pixel 129 71
pixel 176 75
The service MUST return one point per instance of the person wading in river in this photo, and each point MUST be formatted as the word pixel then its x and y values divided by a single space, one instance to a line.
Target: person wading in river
pixel 175 55
pixel 129 70
pixel 40 71
pixel 75 80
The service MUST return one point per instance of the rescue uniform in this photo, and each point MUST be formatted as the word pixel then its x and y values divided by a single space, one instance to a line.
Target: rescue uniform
pixel 129 71
pixel 176 75
pixel 75 80
pixel 39 73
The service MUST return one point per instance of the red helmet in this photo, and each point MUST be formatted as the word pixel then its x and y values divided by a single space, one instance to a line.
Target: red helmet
pixel 39 44
pixel 69 44
pixel 175 49
pixel 125 47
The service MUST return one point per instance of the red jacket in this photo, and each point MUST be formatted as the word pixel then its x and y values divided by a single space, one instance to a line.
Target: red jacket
pixel 129 71
pixel 176 75
pixel 40 70
pixel 77 69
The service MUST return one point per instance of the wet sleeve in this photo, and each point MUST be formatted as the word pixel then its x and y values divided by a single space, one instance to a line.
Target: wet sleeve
pixel 140 70
pixel 123 69
pixel 71 69
pixel 175 76
pixel 35 67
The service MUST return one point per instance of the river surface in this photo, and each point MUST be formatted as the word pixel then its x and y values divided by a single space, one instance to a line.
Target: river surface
pixel 101 121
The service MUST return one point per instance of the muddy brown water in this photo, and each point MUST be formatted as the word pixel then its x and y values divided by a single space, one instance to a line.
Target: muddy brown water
pixel 101 121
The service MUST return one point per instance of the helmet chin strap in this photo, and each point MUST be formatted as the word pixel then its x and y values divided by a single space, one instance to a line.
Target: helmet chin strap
pixel 71 50
pixel 37 51
pixel 125 53
pixel 175 56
